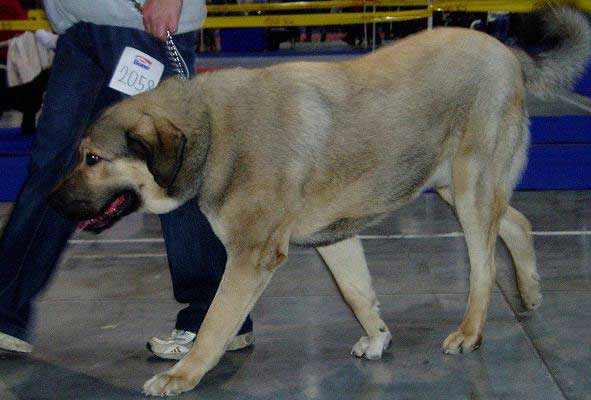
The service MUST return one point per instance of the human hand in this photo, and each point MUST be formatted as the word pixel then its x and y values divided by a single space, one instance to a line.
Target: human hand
pixel 161 16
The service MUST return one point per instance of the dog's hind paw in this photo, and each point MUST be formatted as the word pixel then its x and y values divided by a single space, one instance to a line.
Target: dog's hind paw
pixel 457 342
pixel 372 347
pixel 166 384
pixel 531 296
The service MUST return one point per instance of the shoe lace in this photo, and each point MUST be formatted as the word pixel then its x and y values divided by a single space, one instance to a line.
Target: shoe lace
pixel 181 334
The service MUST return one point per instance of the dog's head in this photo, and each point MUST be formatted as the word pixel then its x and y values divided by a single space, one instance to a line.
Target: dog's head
pixel 132 157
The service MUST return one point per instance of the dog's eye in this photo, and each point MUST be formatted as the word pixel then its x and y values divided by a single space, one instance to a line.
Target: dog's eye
pixel 92 159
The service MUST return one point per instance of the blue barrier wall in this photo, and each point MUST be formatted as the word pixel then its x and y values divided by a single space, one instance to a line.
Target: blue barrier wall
pixel 14 160
pixel 584 85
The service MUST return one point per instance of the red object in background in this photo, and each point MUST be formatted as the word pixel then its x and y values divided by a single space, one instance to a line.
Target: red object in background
pixel 10 10
pixel 201 70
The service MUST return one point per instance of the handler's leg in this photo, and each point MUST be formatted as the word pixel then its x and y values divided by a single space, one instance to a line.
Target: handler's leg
pixel 35 234
pixel 197 260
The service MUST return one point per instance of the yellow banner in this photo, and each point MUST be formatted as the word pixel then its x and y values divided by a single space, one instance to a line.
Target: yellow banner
pixel 37 17
pixel 24 25
pixel 515 6
pixel 519 6
pixel 37 13
pixel 307 5
pixel 260 21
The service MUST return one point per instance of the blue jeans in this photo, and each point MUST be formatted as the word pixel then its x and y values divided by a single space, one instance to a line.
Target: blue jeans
pixel 36 235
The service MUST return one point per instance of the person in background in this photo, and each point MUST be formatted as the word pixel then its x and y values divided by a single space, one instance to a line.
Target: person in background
pixel 92 40
pixel 10 10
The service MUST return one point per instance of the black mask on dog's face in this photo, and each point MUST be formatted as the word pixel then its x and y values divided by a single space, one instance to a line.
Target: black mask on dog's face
pixel 84 196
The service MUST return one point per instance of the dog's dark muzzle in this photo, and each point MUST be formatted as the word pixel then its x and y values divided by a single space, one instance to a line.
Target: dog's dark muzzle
pixel 97 210
pixel 73 208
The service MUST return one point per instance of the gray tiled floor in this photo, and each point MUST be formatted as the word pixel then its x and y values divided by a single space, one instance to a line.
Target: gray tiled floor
pixel 110 295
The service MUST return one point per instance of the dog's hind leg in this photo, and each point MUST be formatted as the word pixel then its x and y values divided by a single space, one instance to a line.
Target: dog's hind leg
pixel 347 263
pixel 516 233
pixel 486 165
pixel 515 230
pixel 480 203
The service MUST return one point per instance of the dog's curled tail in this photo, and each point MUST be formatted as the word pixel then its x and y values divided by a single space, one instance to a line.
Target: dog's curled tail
pixel 557 69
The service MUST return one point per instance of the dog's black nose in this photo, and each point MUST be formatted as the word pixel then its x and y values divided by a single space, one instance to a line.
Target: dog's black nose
pixel 62 202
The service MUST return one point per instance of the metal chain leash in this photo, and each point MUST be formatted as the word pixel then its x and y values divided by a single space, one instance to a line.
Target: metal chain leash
pixel 178 64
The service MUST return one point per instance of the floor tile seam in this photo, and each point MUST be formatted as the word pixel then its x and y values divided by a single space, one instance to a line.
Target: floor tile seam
pixel 573 232
pixel 401 294
pixel 129 255
pixel 307 296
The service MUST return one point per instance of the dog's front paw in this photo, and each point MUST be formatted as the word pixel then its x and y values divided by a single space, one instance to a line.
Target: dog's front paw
pixel 372 347
pixel 167 384
pixel 458 342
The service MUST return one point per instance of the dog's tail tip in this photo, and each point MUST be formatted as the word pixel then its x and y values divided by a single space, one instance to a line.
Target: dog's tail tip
pixel 557 69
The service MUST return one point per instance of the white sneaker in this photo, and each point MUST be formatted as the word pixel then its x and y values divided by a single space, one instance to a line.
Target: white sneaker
pixel 179 343
pixel 11 343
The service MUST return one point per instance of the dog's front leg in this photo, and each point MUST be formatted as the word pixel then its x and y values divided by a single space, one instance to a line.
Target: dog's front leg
pixel 243 282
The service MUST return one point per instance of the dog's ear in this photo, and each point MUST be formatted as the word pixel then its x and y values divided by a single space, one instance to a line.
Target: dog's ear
pixel 161 145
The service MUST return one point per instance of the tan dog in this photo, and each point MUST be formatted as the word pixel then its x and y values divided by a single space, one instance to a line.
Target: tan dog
pixel 325 150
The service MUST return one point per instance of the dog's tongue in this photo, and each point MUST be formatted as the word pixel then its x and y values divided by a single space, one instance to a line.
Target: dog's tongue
pixel 111 209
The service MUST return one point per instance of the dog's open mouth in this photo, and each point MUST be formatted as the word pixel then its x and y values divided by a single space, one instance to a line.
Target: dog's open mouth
pixel 124 204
